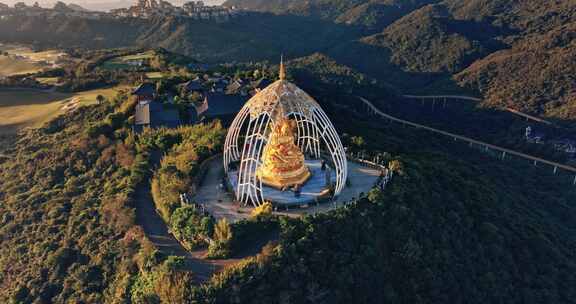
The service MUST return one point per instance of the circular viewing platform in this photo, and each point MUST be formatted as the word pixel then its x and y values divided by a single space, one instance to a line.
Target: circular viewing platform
pixel 315 190
pixel 219 202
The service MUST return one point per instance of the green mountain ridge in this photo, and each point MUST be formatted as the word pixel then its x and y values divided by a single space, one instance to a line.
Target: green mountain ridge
pixel 479 42
pixel 251 37
pixel 371 14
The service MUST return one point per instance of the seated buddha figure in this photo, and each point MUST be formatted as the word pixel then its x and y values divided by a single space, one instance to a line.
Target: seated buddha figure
pixel 282 161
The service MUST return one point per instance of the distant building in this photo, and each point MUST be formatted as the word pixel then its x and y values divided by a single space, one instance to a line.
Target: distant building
pixel 220 105
pixel 196 10
pixel 260 85
pixel 194 85
pixel 153 115
pixel 219 85
pixel 534 136
pixel 136 62
pixel 199 67
pixel 58 11
pixel 567 146
pixel 528 133
pixel 144 93
pixel 238 86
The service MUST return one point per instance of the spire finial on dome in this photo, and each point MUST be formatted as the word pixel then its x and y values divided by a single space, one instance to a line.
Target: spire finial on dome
pixel 282 68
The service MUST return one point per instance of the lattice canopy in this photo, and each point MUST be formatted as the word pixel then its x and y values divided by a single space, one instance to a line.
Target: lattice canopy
pixel 250 131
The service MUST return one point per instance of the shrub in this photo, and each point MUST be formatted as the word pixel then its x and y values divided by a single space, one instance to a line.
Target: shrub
pixel 117 214
pixel 124 155
pixel 96 129
pixel 219 250
pixel 116 120
pixel 375 195
pixel 222 231
pixel 265 210
pixel 220 246
pixel 189 227
pixel 173 287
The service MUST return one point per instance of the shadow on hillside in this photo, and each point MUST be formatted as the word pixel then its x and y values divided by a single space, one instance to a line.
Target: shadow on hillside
pixel 254 246
pixel 470 119
pixel 376 62
pixel 254 36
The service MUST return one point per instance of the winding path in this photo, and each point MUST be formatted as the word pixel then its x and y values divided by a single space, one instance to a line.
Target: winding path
pixel 156 230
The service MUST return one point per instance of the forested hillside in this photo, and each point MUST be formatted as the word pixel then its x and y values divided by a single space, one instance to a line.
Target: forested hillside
pixel 455 226
pixel 450 228
pixel 371 14
pixel 252 37
pixel 429 41
pixel 514 53
pixel 66 207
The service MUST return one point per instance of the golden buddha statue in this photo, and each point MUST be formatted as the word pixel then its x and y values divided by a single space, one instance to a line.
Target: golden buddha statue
pixel 282 161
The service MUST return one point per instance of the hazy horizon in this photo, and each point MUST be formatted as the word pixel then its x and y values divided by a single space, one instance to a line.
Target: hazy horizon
pixel 100 4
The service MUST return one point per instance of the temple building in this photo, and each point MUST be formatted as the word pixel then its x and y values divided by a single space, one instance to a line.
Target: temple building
pixel 220 106
pixel 282 148
pixel 150 113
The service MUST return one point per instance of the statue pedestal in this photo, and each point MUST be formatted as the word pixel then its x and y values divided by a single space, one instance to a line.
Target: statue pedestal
pixel 314 188
pixel 281 181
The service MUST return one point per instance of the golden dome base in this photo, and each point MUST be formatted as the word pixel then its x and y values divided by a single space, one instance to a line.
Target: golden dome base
pixel 281 182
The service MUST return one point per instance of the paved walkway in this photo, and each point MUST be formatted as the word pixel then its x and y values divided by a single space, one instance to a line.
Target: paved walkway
pixel 156 230
pixel 220 203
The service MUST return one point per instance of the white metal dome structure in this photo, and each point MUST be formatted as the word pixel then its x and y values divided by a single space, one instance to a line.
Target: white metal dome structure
pixel 249 132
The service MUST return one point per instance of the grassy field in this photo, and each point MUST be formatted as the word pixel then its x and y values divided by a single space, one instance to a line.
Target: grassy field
pixel 27 108
pixel 32 108
pixel 145 55
pixel 122 62
pixel 89 97
pixel 23 51
pixel 47 80
pixel 23 60
pixel 10 66
pixel 155 75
